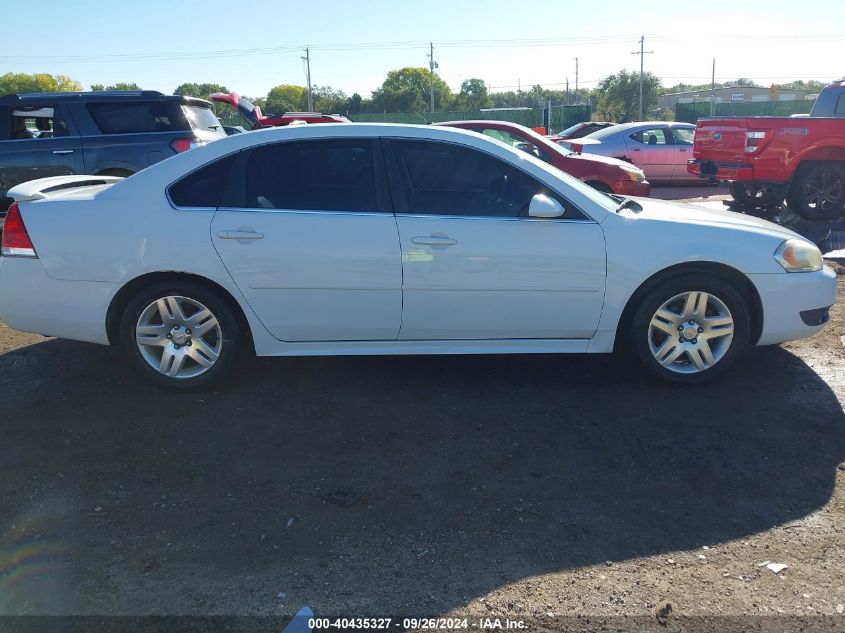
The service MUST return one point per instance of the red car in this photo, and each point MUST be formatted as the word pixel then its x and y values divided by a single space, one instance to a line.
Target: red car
pixel 610 175
pixel 252 113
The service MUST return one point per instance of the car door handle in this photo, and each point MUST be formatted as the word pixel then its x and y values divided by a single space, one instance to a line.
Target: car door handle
pixel 434 240
pixel 239 235
pixel 63 151
pixel 683 149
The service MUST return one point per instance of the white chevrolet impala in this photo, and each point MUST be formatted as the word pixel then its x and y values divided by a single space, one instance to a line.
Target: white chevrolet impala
pixel 393 239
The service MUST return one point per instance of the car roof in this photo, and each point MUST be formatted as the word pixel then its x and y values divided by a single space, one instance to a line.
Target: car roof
pixel 100 95
pixel 633 124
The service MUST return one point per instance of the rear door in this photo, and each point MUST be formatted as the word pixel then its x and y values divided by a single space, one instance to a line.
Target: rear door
pixel 310 238
pixel 652 151
pixel 681 137
pixel 37 140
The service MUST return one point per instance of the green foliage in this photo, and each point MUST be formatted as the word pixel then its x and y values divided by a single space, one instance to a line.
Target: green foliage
pixel 12 83
pixel 199 90
pixel 328 100
pixel 287 98
pixel 473 95
pixel 619 95
pixel 117 86
pixel 408 90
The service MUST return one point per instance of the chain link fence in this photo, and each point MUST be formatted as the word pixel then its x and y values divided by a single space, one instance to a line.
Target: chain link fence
pixel 691 112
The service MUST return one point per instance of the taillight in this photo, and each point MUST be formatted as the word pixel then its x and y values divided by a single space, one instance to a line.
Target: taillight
pixel 754 141
pixel 180 145
pixel 15 241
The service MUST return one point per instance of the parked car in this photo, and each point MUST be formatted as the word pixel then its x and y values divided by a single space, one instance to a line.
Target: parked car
pixel 581 129
pixel 767 159
pixel 605 174
pixel 257 119
pixel 659 148
pixel 393 239
pixel 102 133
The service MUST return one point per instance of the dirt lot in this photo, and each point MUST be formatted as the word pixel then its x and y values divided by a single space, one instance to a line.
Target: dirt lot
pixel 524 486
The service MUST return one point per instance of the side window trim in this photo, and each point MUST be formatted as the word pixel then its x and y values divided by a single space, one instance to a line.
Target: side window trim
pixel 400 200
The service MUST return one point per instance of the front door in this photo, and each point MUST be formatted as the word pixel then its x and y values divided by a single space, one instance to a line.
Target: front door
pixel 311 241
pixel 651 151
pixel 36 142
pixel 475 266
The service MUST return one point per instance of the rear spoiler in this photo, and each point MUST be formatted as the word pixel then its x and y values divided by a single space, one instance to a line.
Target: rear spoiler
pixel 45 187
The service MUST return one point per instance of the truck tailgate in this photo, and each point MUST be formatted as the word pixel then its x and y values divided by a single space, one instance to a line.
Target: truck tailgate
pixel 721 140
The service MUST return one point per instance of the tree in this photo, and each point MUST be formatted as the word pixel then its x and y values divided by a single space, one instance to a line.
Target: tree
pixel 354 104
pixel 287 98
pixel 473 95
pixel 12 83
pixel 328 100
pixel 408 90
pixel 199 90
pixel 117 86
pixel 619 95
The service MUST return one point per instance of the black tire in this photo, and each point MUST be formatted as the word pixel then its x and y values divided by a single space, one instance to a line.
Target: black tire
pixel 812 180
pixel 231 335
pixel 641 335
pixel 752 195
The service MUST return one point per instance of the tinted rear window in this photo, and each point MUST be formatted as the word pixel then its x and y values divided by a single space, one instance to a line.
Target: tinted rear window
pixel 202 118
pixel 138 116
pixel 204 187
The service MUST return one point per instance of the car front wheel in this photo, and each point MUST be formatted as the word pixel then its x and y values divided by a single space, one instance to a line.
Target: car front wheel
pixel 690 329
pixel 181 335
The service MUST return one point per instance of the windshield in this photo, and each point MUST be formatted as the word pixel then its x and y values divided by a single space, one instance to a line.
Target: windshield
pixel 571 129
pixel 604 132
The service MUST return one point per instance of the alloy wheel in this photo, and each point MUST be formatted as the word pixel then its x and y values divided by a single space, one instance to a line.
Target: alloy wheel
pixel 823 192
pixel 178 337
pixel 691 332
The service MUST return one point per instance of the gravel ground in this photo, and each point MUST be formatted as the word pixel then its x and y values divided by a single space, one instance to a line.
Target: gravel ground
pixel 530 487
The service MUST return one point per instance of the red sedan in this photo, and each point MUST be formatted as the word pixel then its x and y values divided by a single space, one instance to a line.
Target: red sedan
pixel 610 175
pixel 258 119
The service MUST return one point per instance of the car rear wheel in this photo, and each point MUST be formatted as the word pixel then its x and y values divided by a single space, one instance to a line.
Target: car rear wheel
pixel 690 329
pixel 752 195
pixel 182 335
pixel 818 192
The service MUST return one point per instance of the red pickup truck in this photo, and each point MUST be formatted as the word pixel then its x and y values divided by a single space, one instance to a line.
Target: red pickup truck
pixel 767 159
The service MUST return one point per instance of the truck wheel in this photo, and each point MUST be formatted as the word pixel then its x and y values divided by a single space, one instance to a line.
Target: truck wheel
pixel 818 192
pixel 752 195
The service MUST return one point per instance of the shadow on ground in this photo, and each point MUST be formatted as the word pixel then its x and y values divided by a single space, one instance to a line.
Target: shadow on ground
pixel 465 474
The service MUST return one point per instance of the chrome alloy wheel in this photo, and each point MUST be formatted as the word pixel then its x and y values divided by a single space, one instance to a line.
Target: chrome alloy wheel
pixel 178 337
pixel 691 332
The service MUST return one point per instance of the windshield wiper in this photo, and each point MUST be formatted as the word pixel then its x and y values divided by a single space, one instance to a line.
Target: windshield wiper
pixel 629 203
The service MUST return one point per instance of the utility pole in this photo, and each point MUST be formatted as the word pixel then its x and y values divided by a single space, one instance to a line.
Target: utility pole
pixel 713 90
pixel 307 60
pixel 431 65
pixel 576 80
pixel 642 55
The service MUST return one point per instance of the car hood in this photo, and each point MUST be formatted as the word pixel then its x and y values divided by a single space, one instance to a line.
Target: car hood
pixel 598 158
pixel 247 109
pixel 664 211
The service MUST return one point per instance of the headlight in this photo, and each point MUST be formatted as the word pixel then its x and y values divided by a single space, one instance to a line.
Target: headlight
pixel 634 173
pixel 798 256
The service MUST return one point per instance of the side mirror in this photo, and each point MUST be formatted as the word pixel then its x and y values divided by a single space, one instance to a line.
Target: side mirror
pixel 542 206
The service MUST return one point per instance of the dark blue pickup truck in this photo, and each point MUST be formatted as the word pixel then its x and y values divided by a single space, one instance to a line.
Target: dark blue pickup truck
pixel 102 133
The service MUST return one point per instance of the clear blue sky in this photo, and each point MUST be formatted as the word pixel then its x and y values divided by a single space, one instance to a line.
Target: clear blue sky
pixel 161 44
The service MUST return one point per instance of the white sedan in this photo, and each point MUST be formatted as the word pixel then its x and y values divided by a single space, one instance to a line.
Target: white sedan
pixel 393 239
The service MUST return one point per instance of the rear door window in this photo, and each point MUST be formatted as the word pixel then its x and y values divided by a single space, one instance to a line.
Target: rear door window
pixel 129 117
pixel 324 175
pixel 203 187
pixel 840 106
